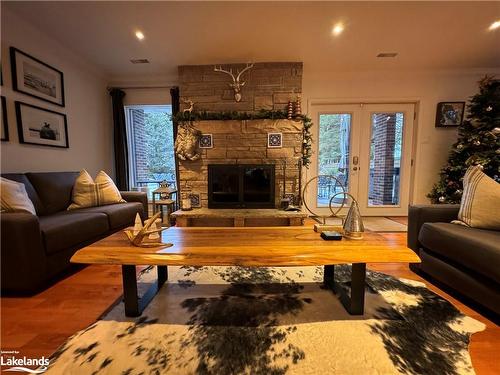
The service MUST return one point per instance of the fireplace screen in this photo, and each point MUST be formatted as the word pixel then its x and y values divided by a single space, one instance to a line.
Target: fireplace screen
pixel 241 186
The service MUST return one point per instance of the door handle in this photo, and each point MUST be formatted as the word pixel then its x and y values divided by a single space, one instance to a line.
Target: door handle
pixel 355 160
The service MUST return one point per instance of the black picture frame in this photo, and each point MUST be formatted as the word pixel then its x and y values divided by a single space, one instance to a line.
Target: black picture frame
pixel 37 65
pixel 5 124
pixel 449 114
pixel 44 140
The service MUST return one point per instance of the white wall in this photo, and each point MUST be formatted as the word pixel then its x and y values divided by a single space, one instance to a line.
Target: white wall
pixel 432 145
pixel 152 96
pixel 87 106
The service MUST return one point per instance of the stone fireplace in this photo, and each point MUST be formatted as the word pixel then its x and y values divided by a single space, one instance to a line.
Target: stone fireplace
pixel 268 85
pixel 246 142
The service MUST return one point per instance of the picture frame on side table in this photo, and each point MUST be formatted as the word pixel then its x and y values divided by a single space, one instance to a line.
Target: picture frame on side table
pixel 33 77
pixel 449 114
pixel 5 125
pixel 40 126
pixel 195 200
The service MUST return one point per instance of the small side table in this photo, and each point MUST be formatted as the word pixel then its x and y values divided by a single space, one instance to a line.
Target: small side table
pixel 169 204
pixel 164 194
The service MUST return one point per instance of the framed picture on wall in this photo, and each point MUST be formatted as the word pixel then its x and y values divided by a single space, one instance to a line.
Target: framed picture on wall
pixel 36 78
pixel 5 126
pixel 450 114
pixel 39 126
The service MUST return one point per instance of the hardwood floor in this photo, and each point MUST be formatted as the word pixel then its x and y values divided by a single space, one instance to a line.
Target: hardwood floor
pixel 399 219
pixel 37 325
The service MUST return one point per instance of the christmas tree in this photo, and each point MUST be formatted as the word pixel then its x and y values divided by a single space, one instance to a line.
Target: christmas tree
pixel 478 144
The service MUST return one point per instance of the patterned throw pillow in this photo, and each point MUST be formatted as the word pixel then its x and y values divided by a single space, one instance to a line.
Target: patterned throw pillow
pixel 14 197
pixel 480 205
pixel 90 193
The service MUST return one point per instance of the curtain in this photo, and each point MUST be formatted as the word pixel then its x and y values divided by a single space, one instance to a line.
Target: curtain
pixel 176 106
pixel 120 140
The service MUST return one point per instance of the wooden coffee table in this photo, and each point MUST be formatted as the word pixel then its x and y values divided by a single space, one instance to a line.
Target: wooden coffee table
pixel 251 247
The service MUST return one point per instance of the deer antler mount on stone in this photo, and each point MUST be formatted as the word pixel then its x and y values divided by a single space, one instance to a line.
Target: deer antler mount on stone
pixel 237 84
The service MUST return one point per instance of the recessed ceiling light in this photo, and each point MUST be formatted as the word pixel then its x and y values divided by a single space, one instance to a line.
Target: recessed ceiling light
pixel 139 35
pixel 387 54
pixel 338 28
pixel 495 25
pixel 139 61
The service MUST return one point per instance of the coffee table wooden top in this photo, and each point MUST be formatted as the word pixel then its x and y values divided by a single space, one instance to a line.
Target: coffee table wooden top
pixel 270 246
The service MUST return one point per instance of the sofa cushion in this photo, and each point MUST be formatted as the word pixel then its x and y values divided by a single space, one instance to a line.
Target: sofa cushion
pixel 14 198
pixel 120 215
pixel 475 249
pixel 54 189
pixel 480 200
pixel 32 194
pixel 88 192
pixel 69 229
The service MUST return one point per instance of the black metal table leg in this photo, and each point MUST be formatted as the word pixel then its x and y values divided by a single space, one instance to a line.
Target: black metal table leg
pixel 134 306
pixel 355 303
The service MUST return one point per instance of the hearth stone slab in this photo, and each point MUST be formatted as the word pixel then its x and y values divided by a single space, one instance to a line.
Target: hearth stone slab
pixel 238 217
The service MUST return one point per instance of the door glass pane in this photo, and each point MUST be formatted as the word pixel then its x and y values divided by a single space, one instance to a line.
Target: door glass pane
pixel 385 158
pixel 333 156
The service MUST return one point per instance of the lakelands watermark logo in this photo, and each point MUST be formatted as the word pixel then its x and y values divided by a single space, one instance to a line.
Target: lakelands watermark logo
pixel 16 363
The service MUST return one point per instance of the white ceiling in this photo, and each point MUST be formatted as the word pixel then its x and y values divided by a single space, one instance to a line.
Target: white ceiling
pixel 427 35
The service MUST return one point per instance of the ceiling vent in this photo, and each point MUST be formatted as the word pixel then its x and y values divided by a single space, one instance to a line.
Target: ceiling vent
pixel 387 54
pixel 139 61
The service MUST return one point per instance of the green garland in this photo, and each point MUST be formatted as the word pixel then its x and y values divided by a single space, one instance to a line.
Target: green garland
pixel 261 115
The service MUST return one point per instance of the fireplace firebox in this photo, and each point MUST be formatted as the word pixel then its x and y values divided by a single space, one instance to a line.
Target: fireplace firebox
pixel 241 186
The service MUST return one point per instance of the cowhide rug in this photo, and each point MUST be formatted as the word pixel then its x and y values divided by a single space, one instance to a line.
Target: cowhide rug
pixel 237 320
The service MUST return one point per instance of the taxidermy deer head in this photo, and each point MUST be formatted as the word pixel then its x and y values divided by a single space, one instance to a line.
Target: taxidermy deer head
pixel 236 85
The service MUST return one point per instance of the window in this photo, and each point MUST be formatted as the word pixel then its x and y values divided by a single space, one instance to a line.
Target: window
pixel 151 145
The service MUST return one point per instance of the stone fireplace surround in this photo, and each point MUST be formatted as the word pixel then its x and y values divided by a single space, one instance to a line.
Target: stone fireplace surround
pixel 245 142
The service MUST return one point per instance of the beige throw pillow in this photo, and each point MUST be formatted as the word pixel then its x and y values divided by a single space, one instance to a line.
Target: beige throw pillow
pixel 14 197
pixel 90 193
pixel 480 205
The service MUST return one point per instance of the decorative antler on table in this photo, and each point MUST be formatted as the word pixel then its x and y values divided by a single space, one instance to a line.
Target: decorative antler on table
pixel 236 85
pixel 137 236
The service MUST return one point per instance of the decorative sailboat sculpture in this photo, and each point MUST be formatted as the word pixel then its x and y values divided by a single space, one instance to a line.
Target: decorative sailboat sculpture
pixel 146 235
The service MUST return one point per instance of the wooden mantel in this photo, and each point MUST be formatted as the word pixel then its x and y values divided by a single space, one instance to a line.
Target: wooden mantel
pixel 238 217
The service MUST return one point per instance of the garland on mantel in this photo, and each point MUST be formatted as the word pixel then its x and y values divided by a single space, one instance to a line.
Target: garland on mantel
pixel 261 115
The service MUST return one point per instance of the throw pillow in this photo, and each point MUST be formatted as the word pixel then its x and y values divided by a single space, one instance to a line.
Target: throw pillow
pixel 14 197
pixel 90 193
pixel 480 205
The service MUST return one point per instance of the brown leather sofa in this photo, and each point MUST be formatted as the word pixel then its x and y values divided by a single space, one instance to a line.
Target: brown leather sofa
pixel 465 259
pixel 35 249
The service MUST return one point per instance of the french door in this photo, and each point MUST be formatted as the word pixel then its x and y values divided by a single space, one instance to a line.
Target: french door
pixel 368 149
